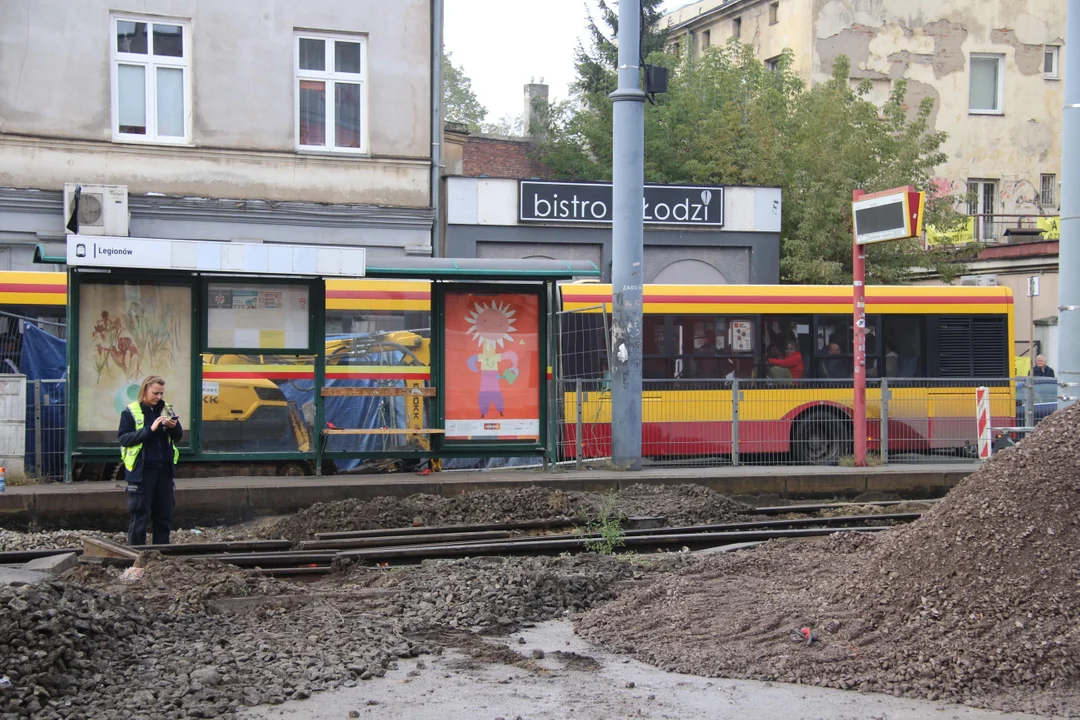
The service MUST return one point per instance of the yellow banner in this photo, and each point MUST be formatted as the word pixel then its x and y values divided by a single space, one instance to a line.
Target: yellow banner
pixel 1050 226
pixel 963 234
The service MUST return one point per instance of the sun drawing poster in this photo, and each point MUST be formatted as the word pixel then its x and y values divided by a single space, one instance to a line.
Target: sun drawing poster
pixel 492 366
pixel 126 332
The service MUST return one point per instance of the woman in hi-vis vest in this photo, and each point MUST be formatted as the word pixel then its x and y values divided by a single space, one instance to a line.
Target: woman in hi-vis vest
pixel 149 432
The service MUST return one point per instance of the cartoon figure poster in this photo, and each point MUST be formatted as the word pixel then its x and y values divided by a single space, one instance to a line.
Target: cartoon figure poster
pixel 127 332
pixel 493 366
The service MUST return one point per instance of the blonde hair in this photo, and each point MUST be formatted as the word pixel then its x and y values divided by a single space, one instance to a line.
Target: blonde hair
pixel 150 380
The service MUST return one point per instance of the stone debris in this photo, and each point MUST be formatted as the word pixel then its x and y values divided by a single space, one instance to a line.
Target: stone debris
pixel 680 504
pixel 977 603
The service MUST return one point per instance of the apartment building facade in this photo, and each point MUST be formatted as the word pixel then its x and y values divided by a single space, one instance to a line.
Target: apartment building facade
pixel 993 69
pixel 255 121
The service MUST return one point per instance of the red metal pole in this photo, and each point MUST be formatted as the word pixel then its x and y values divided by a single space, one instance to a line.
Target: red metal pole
pixel 858 263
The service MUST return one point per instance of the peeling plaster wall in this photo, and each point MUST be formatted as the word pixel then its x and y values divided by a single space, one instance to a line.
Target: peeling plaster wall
pixel 929 43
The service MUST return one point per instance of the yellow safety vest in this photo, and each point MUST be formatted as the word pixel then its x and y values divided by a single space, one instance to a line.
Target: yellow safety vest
pixel 131 454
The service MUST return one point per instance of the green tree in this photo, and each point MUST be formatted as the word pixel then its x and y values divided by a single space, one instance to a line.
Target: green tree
pixel 727 120
pixel 459 101
pixel 596 67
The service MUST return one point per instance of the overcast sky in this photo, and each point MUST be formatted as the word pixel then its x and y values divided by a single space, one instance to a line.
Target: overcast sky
pixel 503 44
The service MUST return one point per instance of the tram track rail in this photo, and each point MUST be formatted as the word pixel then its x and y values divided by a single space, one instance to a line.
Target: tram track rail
pixel 411 545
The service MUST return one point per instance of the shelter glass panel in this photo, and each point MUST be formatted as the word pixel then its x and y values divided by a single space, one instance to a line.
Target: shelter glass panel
pixel 128 331
pixel 257 403
pixel 254 316
pixel 493 355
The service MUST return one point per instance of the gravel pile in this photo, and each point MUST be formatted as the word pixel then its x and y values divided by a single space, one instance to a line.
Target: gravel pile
pixel 14 540
pixel 978 602
pixel 494 594
pixel 681 504
pixel 100 649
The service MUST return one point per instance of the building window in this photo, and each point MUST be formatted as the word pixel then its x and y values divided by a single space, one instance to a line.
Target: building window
pixel 1051 53
pixel 773 63
pixel 982 195
pixel 706 39
pixel 736 27
pixel 774 13
pixel 331 93
pixel 151 80
pixel 986 84
pixel 1047 188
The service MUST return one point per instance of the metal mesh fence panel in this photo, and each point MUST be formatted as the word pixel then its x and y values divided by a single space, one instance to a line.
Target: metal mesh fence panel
pixel 45 438
pixel 583 392
pixel 785 421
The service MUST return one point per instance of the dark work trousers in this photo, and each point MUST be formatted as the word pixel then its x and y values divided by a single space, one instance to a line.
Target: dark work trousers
pixel 151 501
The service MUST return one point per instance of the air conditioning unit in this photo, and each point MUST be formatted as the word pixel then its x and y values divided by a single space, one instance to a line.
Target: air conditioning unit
pixel 979 280
pixel 103 209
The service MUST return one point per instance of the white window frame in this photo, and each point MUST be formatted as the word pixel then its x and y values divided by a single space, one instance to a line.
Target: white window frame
pixel 1000 83
pixel 150 63
pixel 1055 72
pixel 330 78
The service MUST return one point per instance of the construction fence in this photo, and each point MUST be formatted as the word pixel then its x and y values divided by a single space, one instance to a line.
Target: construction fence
pixel 795 421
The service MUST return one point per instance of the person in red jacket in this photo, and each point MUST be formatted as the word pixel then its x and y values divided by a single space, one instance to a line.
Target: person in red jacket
pixel 792 360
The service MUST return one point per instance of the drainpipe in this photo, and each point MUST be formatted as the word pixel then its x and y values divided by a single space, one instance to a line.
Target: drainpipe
pixel 436 124
pixel 1069 252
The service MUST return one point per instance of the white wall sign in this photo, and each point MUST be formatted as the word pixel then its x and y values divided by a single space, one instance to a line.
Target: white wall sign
pixel 209 256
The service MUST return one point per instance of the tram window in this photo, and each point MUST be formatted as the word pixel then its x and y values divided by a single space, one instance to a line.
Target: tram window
pixel 708 347
pixel 655 364
pixel 834 347
pixel 779 330
pixel 903 345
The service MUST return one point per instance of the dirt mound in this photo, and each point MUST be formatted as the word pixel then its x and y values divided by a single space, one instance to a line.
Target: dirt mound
pixel 977 602
pixel 681 504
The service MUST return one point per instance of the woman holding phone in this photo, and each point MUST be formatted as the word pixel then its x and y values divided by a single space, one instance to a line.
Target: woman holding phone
pixel 149 432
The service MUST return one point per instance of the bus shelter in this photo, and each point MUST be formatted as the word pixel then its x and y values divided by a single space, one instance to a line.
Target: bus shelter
pixel 278 358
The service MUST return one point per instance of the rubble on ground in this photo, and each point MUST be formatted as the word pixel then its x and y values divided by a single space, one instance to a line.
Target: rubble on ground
pixel 680 504
pixel 978 602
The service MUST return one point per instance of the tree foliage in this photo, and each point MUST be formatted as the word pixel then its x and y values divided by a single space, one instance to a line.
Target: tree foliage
pixel 597 67
pixel 728 120
pixel 459 101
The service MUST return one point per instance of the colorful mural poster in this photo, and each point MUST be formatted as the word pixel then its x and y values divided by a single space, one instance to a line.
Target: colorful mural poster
pixel 126 332
pixel 493 366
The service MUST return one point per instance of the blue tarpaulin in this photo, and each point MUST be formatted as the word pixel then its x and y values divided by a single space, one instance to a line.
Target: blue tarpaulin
pixel 43 358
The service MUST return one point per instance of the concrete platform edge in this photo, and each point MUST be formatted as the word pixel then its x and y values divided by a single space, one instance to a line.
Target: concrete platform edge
pixel 224 501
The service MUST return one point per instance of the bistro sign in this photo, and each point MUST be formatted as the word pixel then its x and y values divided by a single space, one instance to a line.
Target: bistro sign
pixel 591 203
